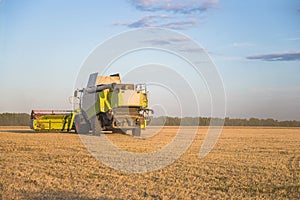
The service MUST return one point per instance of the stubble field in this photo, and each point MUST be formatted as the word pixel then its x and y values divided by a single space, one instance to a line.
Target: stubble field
pixel 246 163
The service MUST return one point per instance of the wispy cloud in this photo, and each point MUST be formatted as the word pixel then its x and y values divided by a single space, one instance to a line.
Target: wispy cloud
pixel 184 24
pixel 293 39
pixel 242 44
pixel 147 21
pixel 175 6
pixel 166 40
pixel 158 21
pixel 192 49
pixel 290 56
pixel 185 14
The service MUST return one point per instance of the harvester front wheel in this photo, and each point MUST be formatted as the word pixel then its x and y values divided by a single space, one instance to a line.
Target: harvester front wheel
pixel 81 125
pixel 82 128
pixel 136 131
pixel 96 126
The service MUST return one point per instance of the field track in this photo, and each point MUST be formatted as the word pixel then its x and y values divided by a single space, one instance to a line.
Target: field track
pixel 247 162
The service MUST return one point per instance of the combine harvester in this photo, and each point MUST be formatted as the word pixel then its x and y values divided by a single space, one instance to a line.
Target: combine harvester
pixel 104 105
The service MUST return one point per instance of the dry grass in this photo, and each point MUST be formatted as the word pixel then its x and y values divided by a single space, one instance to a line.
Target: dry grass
pixel 246 163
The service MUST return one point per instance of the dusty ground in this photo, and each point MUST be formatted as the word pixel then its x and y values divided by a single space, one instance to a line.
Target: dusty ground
pixel 249 163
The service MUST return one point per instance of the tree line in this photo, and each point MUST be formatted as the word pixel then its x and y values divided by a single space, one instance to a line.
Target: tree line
pixel 14 119
pixel 205 121
pixel 23 119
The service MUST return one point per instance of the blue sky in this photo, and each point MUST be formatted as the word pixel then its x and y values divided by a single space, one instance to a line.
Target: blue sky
pixel 254 44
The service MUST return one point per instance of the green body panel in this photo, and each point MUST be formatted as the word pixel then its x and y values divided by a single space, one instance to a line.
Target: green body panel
pixel 107 100
pixel 143 125
pixel 102 104
pixel 144 100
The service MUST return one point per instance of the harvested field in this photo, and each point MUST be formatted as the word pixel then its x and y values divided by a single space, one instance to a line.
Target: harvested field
pixel 247 162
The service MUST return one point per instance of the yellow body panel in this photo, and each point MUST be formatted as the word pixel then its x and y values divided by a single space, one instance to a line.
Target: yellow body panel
pixel 50 122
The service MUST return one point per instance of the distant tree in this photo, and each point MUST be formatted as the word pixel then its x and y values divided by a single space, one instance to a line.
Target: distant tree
pixel 254 122
pixel 14 119
pixel 205 121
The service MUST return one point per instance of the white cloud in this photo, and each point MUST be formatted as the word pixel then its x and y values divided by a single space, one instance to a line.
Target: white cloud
pixel 167 40
pixel 176 6
pixel 287 56
pixel 159 21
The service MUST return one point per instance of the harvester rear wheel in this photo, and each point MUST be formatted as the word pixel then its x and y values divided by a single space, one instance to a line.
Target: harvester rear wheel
pixel 119 130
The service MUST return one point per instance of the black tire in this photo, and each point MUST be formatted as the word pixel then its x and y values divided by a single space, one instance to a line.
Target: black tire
pixel 82 128
pixel 136 131
pixel 81 125
pixel 119 130
pixel 96 126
